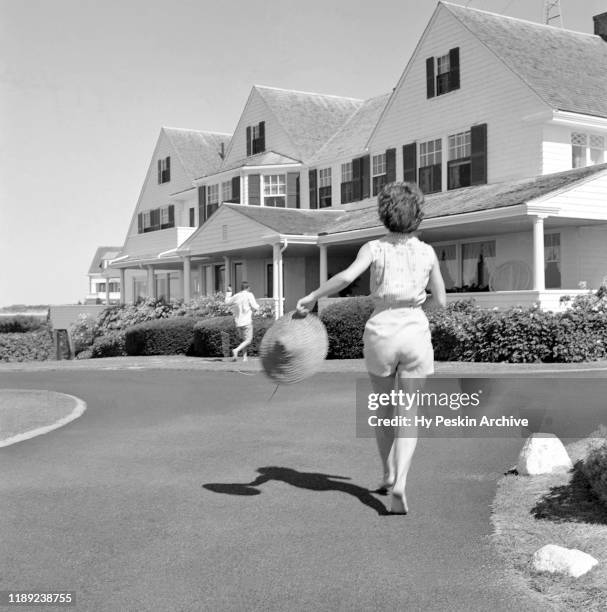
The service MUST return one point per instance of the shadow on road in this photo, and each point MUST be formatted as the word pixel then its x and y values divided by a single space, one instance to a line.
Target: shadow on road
pixel 303 480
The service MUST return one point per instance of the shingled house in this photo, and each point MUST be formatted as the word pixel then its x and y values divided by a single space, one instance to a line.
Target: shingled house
pixel 502 122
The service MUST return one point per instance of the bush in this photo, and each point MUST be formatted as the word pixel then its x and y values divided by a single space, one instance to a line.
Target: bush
pixel 83 333
pixel 19 324
pixel 112 345
pixel 216 337
pixel 26 346
pixel 345 322
pixel 163 337
pixel 594 468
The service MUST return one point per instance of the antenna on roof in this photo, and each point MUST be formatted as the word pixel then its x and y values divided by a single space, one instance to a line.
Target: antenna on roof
pixel 552 12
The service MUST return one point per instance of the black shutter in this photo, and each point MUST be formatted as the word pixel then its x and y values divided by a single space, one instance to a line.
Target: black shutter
pixel 159 171
pixel 140 223
pixel 454 69
pixel 437 181
pixel 171 215
pixel 410 162
pixel 254 184
pixel 168 170
pixel 248 140
pixel 202 205
pixel 236 189
pixel 312 174
pixel 365 180
pixel 292 189
pixel 262 137
pixel 343 197
pixel 390 165
pixel 430 77
pixel 478 156
pixel 357 179
pixel 192 216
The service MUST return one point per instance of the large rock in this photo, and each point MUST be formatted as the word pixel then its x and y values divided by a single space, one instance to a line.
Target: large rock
pixel 558 560
pixel 543 454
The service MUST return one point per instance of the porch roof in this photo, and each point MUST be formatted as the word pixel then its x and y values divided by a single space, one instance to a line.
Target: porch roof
pixel 473 199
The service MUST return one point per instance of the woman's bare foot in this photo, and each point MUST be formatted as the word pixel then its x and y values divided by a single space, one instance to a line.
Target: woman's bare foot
pixel 234 354
pixel 398 503
pixel 385 485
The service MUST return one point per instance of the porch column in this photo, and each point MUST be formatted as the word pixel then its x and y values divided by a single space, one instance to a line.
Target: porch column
pixel 201 283
pixel 277 279
pixel 122 285
pixel 324 274
pixel 244 189
pixel 538 253
pixel 227 276
pixel 107 291
pixel 187 280
pixel 151 284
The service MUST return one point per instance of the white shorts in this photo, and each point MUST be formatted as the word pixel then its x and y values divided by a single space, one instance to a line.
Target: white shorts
pixel 398 340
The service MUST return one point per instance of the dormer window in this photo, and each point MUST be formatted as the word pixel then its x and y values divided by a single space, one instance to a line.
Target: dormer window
pixel 164 170
pixel 442 73
pixel 256 138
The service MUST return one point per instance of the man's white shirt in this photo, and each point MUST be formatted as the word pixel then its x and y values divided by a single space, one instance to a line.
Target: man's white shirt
pixel 242 304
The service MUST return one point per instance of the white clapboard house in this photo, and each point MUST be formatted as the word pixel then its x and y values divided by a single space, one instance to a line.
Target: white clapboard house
pixel 501 121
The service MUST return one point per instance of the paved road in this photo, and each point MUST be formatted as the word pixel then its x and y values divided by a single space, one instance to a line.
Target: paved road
pixel 142 503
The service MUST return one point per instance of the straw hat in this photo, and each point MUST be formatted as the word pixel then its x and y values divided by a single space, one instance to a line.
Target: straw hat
pixel 294 348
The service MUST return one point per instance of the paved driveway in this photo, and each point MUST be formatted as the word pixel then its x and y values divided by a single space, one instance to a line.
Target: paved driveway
pixel 142 503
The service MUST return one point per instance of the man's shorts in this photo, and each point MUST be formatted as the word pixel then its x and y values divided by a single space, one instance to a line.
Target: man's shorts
pixel 246 332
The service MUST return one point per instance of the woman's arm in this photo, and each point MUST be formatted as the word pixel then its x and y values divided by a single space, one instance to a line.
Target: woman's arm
pixel 438 299
pixel 339 281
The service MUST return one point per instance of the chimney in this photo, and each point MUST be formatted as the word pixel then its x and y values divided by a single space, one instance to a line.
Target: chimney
pixel 600 25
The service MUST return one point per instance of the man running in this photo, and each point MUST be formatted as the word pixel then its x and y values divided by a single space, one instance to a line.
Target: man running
pixel 243 303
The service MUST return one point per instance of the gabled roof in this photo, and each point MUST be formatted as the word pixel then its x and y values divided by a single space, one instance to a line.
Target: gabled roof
pixel 309 119
pixel 567 69
pixel 351 139
pixel 197 151
pixel 102 253
pixel 268 158
pixel 291 221
pixel 473 199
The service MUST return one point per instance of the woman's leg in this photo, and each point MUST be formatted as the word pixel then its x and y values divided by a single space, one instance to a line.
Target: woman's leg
pixel 405 441
pixel 384 435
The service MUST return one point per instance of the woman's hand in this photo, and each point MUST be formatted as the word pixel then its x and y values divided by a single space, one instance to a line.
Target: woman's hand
pixel 305 304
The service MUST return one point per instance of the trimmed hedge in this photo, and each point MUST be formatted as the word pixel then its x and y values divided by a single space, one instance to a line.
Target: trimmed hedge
pixel 345 322
pixel 19 324
pixel 594 468
pixel 216 337
pixel 112 345
pixel 161 337
pixel 26 346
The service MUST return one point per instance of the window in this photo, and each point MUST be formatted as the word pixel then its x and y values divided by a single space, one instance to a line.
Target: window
pixel 552 261
pixel 442 73
pixel 220 272
pixel 256 138
pixel 147 220
pixel 274 190
pixel 192 217
pixel 478 263
pixel 430 166
pixel 237 276
pixel 346 183
pixel 212 199
pixel 586 150
pixel 164 216
pixel 164 170
pixel 447 260
pixel 458 167
pixel 226 191
pixel 379 172
pixel 324 187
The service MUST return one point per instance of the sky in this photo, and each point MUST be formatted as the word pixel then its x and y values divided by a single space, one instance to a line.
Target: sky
pixel 85 86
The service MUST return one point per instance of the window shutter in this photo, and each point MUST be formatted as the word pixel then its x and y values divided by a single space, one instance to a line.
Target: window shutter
pixel 390 165
pixel 254 184
pixel 478 154
pixel 236 189
pixel 262 137
pixel 410 162
pixel 430 77
pixel 168 169
pixel 171 215
pixel 312 174
pixel 202 205
pixel 140 223
pixel 437 183
pixel 248 140
pixel 159 171
pixel 365 180
pixel 343 198
pixel 292 189
pixel 356 179
pixel 454 69
pixel 192 217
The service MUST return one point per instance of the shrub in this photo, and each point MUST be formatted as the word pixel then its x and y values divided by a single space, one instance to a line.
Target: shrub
pixel 216 337
pixel 345 322
pixel 19 324
pixel 162 337
pixel 594 467
pixel 83 332
pixel 112 345
pixel 26 346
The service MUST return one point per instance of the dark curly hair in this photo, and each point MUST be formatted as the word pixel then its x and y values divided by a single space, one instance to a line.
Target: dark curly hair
pixel 399 205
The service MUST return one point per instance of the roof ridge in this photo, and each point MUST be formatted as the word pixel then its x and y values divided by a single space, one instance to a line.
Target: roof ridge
pixel 209 132
pixel 528 21
pixel 308 93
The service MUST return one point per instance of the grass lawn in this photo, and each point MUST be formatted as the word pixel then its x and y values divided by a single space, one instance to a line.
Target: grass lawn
pixel 561 509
